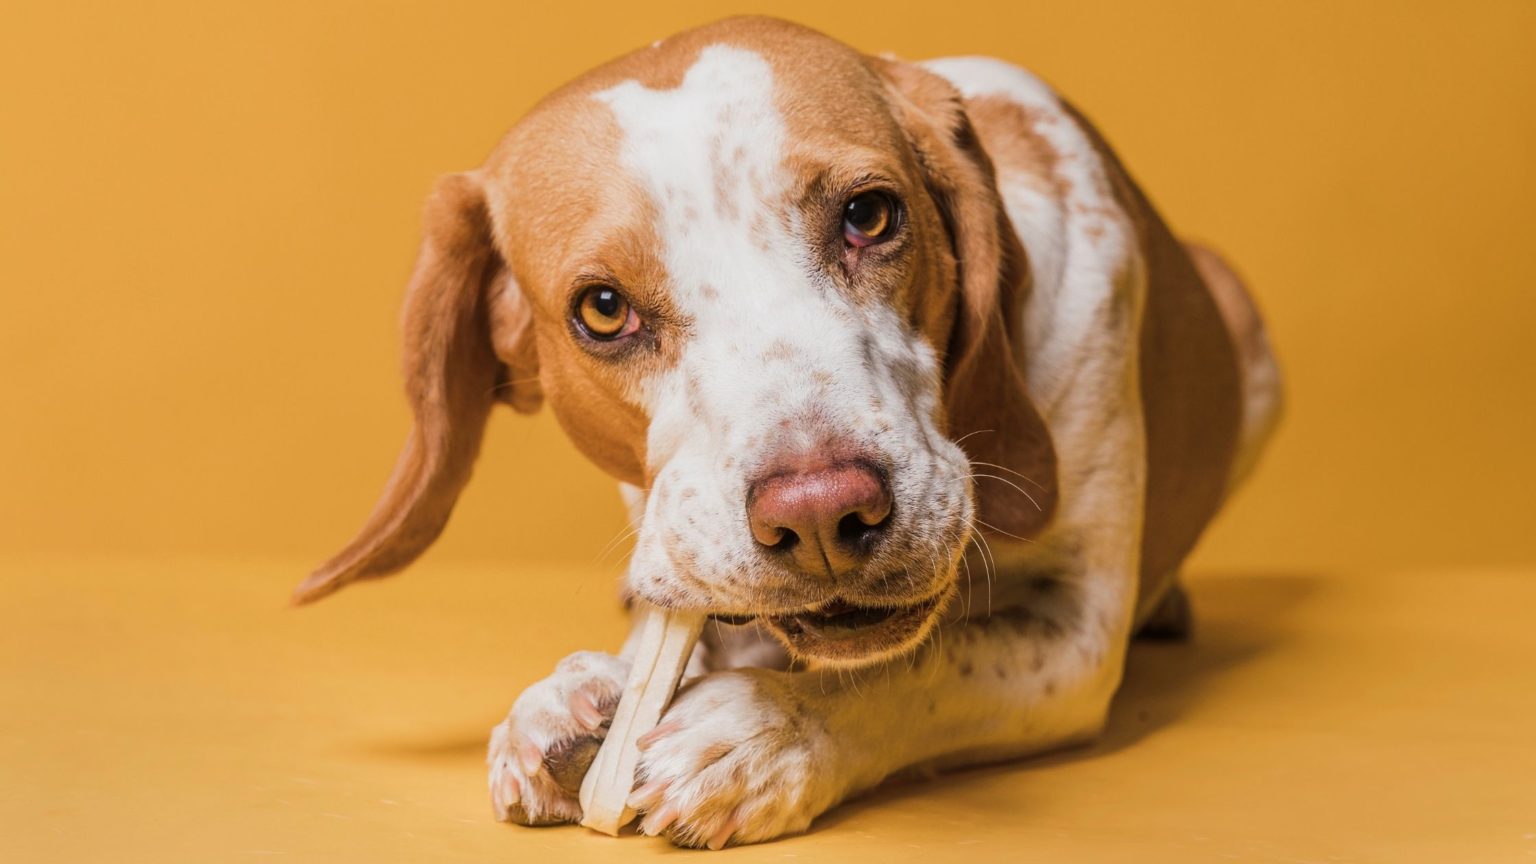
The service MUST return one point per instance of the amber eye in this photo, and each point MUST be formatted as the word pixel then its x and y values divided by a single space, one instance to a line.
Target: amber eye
pixel 604 314
pixel 869 218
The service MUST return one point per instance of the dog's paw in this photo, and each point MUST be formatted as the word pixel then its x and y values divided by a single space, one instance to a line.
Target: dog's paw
pixel 540 753
pixel 738 758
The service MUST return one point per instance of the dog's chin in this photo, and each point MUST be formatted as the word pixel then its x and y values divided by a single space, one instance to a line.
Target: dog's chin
pixel 844 634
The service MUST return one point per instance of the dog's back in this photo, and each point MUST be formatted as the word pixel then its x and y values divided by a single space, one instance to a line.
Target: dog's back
pixel 1210 387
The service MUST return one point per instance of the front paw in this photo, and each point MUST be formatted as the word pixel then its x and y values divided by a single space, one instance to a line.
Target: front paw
pixel 740 757
pixel 539 754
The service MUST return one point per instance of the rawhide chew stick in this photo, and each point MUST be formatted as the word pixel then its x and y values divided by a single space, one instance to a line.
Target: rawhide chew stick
pixel 666 640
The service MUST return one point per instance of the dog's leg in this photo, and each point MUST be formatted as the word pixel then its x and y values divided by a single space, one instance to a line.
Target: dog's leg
pixel 540 753
pixel 750 754
pixel 746 755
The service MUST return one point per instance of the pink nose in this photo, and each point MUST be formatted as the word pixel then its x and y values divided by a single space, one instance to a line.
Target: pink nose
pixel 826 519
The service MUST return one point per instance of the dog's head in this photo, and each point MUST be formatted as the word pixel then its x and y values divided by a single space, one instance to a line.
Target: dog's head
pixel 769 281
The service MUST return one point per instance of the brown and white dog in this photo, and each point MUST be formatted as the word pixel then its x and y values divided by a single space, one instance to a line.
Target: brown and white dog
pixel 893 361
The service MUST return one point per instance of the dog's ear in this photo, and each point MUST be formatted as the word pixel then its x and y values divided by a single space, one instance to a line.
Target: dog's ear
pixel 468 343
pixel 990 412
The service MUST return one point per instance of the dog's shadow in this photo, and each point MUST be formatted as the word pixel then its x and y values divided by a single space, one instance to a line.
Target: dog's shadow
pixel 1236 619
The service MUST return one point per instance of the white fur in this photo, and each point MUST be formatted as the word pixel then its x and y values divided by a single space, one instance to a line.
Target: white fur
pixel 752 754
pixel 542 717
pixel 1082 326
pixel 764 324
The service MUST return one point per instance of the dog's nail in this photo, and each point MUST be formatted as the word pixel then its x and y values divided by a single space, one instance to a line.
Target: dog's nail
pixel 645 741
pixel 585 711
pixel 723 836
pixel 642 798
pixel 659 821
pixel 530 758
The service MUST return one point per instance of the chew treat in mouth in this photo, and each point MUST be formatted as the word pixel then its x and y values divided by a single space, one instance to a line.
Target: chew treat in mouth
pixel 666 640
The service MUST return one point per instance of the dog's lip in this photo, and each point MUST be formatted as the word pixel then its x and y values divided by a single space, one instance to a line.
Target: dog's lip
pixel 726 618
pixel 843 627
pixel 840 617
pixel 834 614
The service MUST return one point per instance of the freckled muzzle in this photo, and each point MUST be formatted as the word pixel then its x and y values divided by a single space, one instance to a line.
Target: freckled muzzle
pixel 826 520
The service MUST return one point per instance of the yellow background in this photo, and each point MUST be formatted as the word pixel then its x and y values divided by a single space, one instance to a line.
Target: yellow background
pixel 209 211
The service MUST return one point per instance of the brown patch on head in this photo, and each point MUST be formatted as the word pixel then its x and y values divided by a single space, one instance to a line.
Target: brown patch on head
pixel 564 213
pixel 829 155
pixel 567 220
pixel 551 213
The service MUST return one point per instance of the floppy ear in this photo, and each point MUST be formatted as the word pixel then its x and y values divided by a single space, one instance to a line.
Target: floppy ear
pixel 990 412
pixel 468 343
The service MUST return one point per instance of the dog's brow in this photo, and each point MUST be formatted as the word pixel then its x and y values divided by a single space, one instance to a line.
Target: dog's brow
pixel 710 143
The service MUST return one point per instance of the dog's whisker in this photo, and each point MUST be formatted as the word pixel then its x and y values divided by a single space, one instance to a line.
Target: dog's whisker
pixel 982 544
pixel 987 561
pixel 969 588
pixel 938 657
pixel 624 533
pixel 618 540
pixel 986 569
pixel 1026 478
pixel 969 434
pixel 1010 483
pixel 996 530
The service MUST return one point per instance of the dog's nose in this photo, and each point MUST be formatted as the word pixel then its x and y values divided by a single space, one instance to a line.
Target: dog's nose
pixel 825 519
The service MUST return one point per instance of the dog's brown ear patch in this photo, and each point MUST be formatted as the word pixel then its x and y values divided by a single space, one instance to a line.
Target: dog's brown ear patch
pixel 467 343
pixel 990 412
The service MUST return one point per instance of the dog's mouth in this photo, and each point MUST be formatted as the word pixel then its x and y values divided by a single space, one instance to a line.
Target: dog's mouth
pixel 840 632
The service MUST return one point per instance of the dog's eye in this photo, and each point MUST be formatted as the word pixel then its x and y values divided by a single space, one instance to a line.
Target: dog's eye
pixel 869 218
pixel 604 314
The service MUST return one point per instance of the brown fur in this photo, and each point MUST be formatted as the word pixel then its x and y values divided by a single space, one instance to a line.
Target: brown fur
pixel 478 327
pixel 451 379
pixel 1190 391
pixel 990 412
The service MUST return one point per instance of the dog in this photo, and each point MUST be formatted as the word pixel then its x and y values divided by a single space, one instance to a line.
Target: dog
pixel 896 367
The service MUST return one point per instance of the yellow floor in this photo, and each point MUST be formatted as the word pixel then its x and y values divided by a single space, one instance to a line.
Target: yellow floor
pixel 178 712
